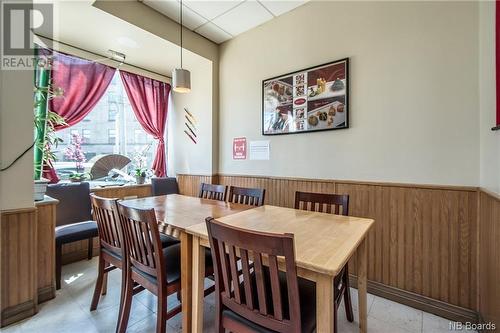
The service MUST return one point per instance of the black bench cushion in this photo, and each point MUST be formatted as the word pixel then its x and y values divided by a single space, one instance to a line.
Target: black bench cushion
pixel 75 232
pixel 307 294
pixel 172 255
pixel 164 186
pixel 167 240
pixel 74 202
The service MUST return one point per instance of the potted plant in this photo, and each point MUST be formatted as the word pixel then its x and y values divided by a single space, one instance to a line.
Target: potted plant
pixel 74 152
pixel 140 171
pixel 45 122
pixel 140 175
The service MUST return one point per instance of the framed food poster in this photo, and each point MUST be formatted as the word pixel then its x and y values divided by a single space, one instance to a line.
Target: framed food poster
pixel 312 99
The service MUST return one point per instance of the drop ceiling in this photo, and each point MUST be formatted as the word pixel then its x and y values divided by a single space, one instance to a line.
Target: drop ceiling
pixel 220 21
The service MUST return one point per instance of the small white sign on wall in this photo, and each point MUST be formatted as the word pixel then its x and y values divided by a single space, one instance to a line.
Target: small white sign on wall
pixel 259 150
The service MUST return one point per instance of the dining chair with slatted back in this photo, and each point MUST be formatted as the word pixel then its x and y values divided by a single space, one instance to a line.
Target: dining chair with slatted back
pixel 323 202
pixel 214 192
pixel 152 267
pixel 111 243
pixel 331 204
pixel 258 298
pixel 247 196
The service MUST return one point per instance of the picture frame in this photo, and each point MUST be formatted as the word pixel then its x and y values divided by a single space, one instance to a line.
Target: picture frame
pixel 308 100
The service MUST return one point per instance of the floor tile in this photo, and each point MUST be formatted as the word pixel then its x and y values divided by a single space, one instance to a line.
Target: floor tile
pixel 69 311
pixel 396 314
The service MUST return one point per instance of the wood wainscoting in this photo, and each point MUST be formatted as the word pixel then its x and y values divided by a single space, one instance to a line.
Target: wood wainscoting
pixel 423 247
pixel 18 265
pixel 78 250
pixel 489 258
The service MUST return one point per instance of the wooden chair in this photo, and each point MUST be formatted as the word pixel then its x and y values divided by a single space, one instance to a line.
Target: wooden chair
pixel 151 267
pixel 332 204
pixel 247 196
pixel 73 219
pixel 111 244
pixel 214 192
pixel 258 298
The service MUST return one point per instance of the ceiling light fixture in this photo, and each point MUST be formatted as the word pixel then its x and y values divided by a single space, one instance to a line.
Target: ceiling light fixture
pixel 181 78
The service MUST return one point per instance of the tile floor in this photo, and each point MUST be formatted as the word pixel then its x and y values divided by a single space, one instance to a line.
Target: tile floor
pixel 69 311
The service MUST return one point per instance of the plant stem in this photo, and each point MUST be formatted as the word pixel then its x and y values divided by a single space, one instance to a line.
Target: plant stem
pixel 41 98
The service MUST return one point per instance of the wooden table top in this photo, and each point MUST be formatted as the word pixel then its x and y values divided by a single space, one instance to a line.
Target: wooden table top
pixel 182 211
pixel 323 242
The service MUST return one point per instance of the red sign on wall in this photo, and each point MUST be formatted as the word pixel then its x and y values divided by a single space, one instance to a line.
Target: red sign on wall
pixel 239 148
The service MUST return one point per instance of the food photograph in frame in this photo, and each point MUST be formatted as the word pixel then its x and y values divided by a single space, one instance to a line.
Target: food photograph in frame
pixel 308 100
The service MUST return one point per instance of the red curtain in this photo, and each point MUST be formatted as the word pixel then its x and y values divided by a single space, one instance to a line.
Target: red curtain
pixel 149 100
pixel 83 82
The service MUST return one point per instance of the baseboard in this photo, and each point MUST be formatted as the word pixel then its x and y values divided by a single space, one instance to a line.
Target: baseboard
pixel 70 257
pixel 424 303
pixel 46 293
pixel 18 312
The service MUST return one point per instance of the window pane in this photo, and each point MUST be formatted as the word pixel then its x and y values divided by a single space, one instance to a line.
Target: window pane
pixel 110 128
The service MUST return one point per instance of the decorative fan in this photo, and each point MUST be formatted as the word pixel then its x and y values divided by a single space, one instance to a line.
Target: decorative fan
pixel 103 164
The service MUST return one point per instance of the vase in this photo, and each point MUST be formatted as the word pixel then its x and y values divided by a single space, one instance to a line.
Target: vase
pixel 39 189
pixel 140 180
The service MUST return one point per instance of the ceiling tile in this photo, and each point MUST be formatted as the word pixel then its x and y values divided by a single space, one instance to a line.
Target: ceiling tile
pixel 213 32
pixel 170 8
pixel 281 6
pixel 242 18
pixel 211 9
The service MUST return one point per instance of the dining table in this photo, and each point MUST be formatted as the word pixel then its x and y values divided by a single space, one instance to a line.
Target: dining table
pixel 175 213
pixel 323 245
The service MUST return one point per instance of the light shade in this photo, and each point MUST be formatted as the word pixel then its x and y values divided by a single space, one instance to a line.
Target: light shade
pixel 181 80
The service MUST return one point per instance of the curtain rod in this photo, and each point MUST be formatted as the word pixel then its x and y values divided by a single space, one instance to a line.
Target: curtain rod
pixel 103 56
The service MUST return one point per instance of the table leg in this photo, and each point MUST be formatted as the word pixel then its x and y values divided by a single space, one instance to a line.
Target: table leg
pixel 362 272
pixel 324 304
pixel 186 280
pixel 198 285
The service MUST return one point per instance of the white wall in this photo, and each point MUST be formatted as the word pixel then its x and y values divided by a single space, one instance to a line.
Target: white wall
pixel 413 91
pixel 489 141
pixel 16 134
pixel 184 156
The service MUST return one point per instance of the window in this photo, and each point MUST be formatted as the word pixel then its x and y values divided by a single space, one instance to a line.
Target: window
pixel 111 136
pixel 86 135
pixel 112 129
pixel 112 111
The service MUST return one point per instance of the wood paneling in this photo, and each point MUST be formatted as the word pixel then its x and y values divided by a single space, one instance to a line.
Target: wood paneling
pixel 18 266
pixel 78 250
pixel 425 236
pixel 190 184
pixel 489 258
pixel 46 223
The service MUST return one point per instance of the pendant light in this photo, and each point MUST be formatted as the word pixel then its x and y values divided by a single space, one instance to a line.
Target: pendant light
pixel 181 78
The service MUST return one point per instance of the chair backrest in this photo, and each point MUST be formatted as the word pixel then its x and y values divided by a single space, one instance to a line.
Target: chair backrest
pixel 245 292
pixel 322 202
pixel 105 213
pixel 214 192
pixel 247 196
pixel 140 230
pixel 164 186
pixel 74 202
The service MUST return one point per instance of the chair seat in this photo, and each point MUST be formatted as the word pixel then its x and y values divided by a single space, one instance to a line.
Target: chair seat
pixel 75 232
pixel 167 240
pixel 307 295
pixel 172 255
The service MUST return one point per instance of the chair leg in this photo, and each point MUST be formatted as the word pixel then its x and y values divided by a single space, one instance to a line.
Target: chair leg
pixel 347 296
pixel 98 284
pixel 124 313
pixel 122 293
pixel 89 249
pixel 104 289
pixel 58 266
pixel 161 314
